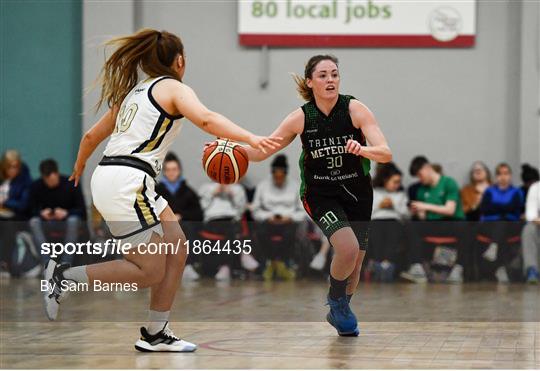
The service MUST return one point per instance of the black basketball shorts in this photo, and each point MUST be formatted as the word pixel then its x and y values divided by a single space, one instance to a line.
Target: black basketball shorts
pixel 333 208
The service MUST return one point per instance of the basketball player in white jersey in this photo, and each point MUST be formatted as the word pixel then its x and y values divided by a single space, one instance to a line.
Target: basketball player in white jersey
pixel 143 121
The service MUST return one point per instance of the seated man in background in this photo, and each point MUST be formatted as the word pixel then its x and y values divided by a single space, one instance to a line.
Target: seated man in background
pixel 530 236
pixel 438 207
pixel 184 202
pixel 277 209
pixel 55 204
pixel 501 206
pixel 15 183
pixel 223 207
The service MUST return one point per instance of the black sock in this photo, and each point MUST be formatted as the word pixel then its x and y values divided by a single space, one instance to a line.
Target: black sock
pixel 337 288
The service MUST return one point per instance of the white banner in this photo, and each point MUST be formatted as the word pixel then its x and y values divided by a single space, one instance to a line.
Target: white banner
pixel 401 23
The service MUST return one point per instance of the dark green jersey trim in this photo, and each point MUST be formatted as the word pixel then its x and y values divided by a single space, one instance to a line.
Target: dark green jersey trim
pixel 302 176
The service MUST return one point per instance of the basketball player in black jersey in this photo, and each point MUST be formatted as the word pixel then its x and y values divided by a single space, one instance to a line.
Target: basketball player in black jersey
pixel 336 186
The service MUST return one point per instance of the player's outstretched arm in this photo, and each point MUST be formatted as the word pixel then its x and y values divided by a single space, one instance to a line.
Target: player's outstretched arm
pixel 91 139
pixel 364 119
pixel 291 126
pixel 189 105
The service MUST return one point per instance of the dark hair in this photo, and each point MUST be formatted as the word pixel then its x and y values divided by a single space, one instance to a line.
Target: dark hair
pixel 416 164
pixel 529 174
pixel 305 91
pixel 150 50
pixel 385 172
pixel 280 162
pixel 47 167
pixel 500 166
pixel 171 156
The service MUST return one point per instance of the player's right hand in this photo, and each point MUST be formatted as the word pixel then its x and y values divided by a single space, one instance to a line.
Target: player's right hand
pixel 206 145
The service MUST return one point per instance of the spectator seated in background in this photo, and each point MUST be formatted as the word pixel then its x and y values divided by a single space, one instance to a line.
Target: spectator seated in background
pixel 438 207
pixel 15 183
pixel 500 214
pixel 529 175
pixel 315 234
pixel 55 205
pixel 389 212
pixel 277 209
pixel 471 194
pixel 184 203
pixel 223 206
pixel 412 189
pixel 530 236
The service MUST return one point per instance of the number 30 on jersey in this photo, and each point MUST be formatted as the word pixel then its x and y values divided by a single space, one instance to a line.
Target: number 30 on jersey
pixel 333 162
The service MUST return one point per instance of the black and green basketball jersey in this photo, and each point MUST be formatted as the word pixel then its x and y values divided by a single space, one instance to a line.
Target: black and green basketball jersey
pixel 324 160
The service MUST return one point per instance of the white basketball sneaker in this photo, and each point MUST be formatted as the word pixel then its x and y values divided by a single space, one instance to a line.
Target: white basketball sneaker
pixel 248 262
pixel 416 273
pixel 502 275
pixel 223 274
pixel 190 274
pixel 163 341
pixel 318 262
pixel 456 274
pixel 54 276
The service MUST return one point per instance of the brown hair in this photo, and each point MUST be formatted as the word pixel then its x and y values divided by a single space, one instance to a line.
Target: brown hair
pixel 500 166
pixel 150 50
pixel 383 173
pixel 301 86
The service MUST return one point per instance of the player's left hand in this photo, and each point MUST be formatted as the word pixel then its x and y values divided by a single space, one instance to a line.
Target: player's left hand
pixel 265 144
pixel 77 173
pixel 353 147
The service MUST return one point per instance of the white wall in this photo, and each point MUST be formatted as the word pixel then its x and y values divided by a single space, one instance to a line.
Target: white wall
pixel 453 105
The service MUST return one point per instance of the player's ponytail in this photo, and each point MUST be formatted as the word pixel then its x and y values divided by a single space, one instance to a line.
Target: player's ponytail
pixel 150 50
pixel 301 85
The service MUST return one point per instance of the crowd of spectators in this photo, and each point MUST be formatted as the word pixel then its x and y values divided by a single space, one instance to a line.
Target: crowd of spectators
pixel 431 231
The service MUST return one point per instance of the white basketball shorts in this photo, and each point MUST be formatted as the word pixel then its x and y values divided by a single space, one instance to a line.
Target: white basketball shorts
pixel 127 200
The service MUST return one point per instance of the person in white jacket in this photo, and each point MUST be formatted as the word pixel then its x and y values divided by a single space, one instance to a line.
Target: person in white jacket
pixel 530 236
pixel 389 212
pixel 277 209
pixel 223 206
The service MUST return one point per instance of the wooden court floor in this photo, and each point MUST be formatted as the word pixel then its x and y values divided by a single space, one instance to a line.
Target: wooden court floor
pixel 281 325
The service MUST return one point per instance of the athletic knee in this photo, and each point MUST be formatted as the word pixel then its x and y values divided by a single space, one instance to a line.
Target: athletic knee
pixel 155 275
pixel 349 252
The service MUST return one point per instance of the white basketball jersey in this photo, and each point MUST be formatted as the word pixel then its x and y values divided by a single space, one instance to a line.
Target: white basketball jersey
pixel 143 129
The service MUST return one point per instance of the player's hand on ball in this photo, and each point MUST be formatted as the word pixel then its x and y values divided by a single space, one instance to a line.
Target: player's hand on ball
pixel 206 145
pixel 265 144
pixel 353 147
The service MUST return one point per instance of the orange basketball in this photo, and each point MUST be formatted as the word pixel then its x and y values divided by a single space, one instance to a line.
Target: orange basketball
pixel 225 161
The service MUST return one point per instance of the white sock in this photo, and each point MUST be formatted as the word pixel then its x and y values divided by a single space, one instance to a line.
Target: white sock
pixel 156 321
pixel 77 274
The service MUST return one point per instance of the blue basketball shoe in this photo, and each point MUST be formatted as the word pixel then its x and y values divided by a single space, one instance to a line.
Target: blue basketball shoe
pixel 341 317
